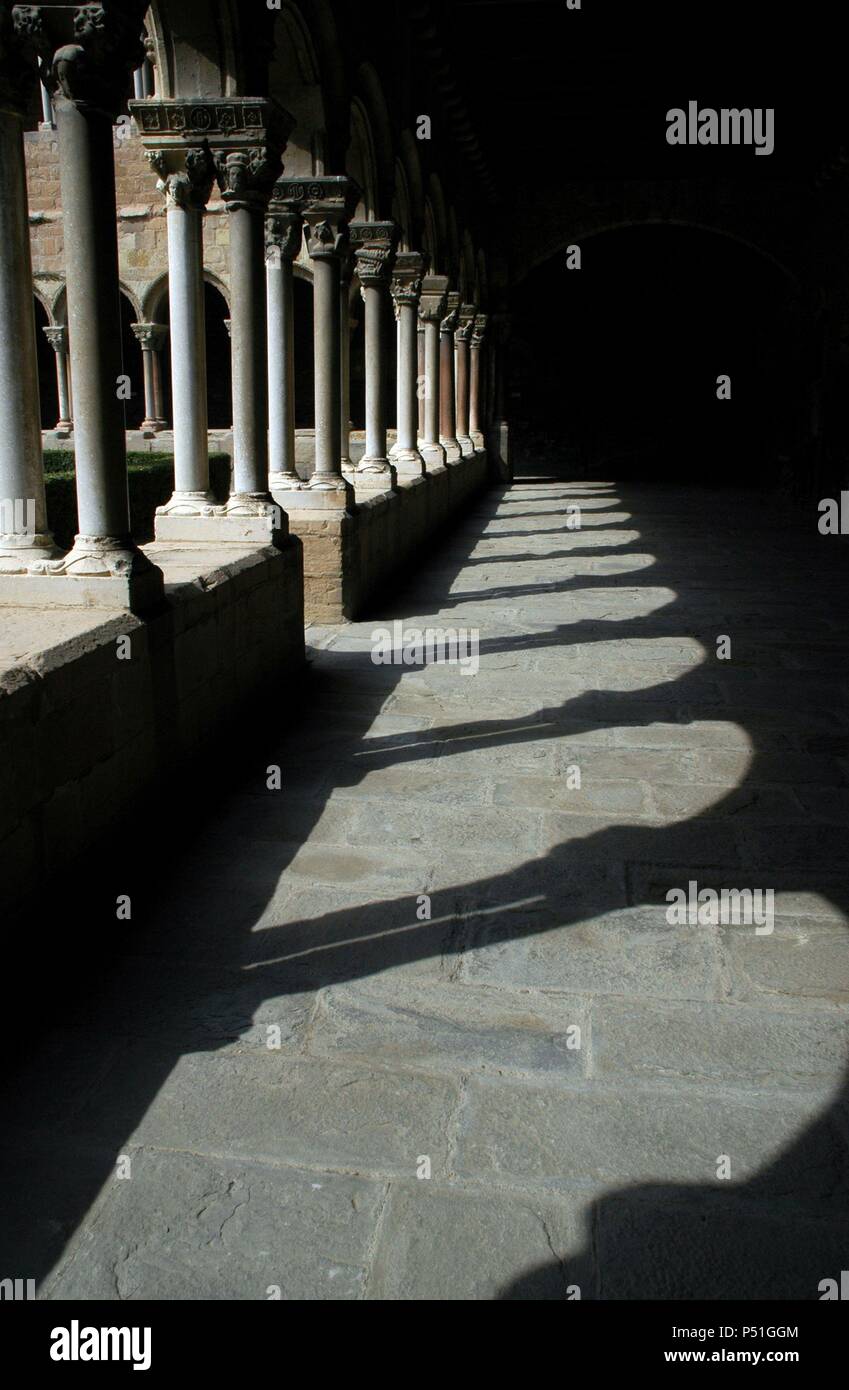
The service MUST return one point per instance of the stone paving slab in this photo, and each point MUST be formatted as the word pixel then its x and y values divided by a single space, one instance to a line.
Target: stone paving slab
pixel 336 1047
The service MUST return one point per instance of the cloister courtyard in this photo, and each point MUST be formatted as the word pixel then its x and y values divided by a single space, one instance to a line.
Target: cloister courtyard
pixel 424 740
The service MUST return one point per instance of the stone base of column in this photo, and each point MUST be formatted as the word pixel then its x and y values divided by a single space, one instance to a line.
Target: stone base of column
pixel 223 529
pixel 98 572
pixel 318 495
pixel 453 452
pixel 372 475
pixel 19 553
pixel 408 463
pixel 478 441
pixel 467 447
pixel 188 504
pixel 433 455
pixel 284 482
pixel 150 428
pixel 63 429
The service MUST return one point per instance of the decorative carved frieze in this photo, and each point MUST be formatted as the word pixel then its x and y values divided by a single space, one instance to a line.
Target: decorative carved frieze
pixel 326 203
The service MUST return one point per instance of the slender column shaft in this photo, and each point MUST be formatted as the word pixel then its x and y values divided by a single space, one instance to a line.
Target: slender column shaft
pixel 462 388
pixel 374 296
pixel 420 377
pixel 249 346
pixel 57 336
pixel 23 522
pixel 408 412
pixel 158 394
pixel 87 181
pixel 345 367
pixel 477 382
pixel 432 383
pixel 448 417
pixel 281 372
pixel 188 351
pixel 327 368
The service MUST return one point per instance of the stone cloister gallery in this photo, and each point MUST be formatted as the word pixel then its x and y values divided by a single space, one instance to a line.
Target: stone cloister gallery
pixel 424 763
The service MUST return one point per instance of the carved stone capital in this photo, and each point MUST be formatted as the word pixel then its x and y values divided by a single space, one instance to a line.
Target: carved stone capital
pixel 326 203
pixel 479 330
pixel 434 298
pixel 466 324
pixel 452 313
pixel 374 246
pixel 283 237
pixel 22 40
pixel 151 336
pixel 57 336
pixel 89 50
pixel 407 278
pixel 186 175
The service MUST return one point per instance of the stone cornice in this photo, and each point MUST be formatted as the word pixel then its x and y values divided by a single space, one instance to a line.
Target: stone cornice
pixel 433 300
pixel 330 195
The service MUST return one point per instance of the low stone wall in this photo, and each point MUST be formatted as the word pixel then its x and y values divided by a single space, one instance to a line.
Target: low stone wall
pixel 347 557
pixel 96 709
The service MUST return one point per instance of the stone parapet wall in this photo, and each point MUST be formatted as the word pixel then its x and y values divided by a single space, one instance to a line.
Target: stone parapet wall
pixel 85 733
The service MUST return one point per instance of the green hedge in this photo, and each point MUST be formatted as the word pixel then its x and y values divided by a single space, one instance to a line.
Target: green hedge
pixel 151 480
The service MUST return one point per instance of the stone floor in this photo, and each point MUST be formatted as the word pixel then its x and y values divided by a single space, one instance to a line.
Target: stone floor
pixel 243 1104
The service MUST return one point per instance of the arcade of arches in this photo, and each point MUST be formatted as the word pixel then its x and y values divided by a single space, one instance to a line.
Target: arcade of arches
pixel 333 245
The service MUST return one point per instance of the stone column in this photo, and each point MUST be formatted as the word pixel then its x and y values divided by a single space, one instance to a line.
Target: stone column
pixel 248 162
pixel 24 537
pixel 462 339
pixel 186 172
pixel 406 291
pixel 476 391
pixel 283 239
pixel 94 48
pixel 326 203
pixel 57 337
pixel 431 312
pixel 420 380
pixel 346 272
pixel 447 402
pixel 375 252
pixel 151 337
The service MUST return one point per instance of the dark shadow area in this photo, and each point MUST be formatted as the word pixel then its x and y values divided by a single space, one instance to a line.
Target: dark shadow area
pixel 121 1002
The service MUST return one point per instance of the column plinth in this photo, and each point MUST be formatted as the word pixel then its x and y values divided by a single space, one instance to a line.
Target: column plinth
pixel 447 400
pixel 406 291
pixel 431 312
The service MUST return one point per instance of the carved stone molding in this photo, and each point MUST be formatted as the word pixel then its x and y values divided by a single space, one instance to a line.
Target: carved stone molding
pixel 326 203
pixel 479 330
pixel 185 176
pixel 434 297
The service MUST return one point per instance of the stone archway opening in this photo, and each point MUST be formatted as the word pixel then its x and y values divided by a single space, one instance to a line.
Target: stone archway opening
pixel 47 390
pixel 672 352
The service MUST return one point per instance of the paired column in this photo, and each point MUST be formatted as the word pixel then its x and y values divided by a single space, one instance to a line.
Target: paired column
pixel 152 338
pixel 375 254
pixel 284 235
pixel 24 537
pixel 326 203
pixel 420 381
pixel 462 340
pixel 447 406
pixel 406 292
pixel 431 313
pixel 95 49
pixel 476 395
pixel 57 337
